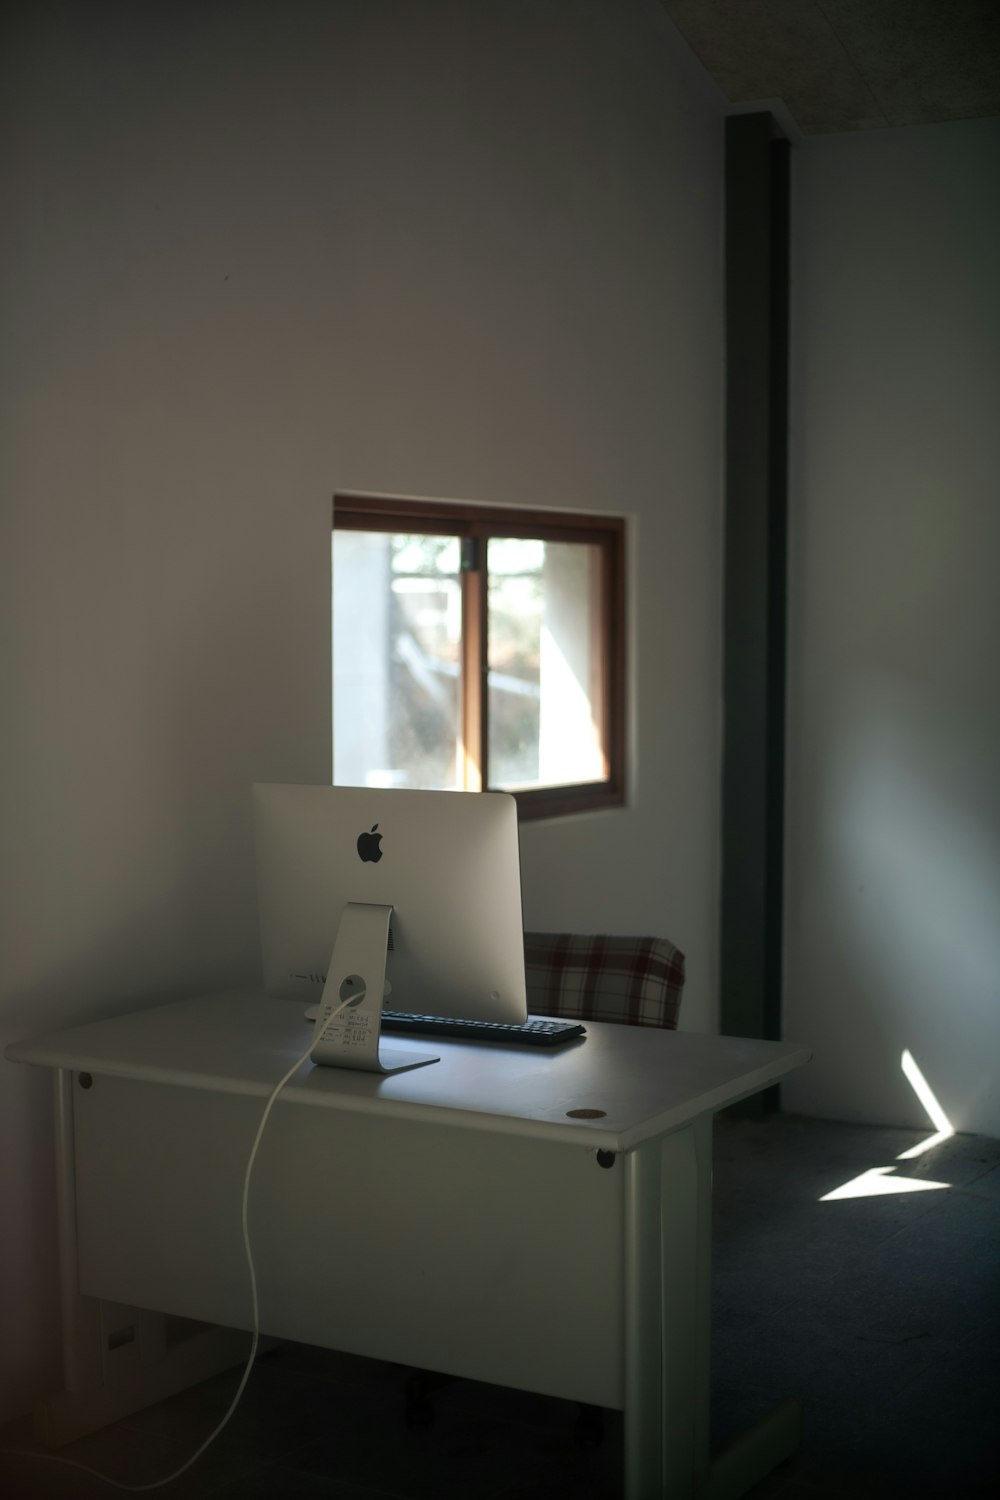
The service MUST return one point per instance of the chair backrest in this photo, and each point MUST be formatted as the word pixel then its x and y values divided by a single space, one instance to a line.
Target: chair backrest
pixel 637 981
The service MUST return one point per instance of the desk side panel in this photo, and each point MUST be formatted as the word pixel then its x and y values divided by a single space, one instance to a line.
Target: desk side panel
pixel 498 1258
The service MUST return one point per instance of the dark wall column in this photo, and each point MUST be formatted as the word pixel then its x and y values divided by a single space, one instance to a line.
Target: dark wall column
pixel 757 181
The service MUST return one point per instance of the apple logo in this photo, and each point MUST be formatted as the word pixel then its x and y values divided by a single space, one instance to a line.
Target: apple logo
pixel 369 845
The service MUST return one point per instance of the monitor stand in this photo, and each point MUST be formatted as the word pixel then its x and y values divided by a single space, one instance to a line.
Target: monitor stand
pixel 356 974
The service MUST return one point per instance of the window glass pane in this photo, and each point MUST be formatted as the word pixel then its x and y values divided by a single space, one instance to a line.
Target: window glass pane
pixel 396 659
pixel 545 693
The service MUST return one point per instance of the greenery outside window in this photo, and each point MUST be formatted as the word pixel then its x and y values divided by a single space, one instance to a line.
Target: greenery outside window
pixel 479 648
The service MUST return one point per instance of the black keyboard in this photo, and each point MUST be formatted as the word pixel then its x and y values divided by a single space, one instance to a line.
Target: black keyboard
pixel 535 1032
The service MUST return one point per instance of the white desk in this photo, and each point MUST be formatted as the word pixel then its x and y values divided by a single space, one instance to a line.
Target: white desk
pixel 419 1217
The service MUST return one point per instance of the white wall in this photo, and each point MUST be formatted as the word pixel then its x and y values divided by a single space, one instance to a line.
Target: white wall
pixel 893 808
pixel 256 253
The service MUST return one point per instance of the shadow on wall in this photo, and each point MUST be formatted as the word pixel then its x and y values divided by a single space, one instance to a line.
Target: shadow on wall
pixel 897 933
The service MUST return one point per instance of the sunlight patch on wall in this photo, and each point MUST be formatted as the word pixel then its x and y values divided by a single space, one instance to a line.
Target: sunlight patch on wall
pixel 943 1127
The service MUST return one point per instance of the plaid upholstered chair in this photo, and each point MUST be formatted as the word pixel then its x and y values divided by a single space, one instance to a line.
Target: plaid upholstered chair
pixel 637 981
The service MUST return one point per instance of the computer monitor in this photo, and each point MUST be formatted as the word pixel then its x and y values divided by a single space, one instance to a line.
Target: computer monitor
pixel 446 862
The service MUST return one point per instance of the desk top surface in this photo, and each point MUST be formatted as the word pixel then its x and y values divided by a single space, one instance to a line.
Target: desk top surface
pixel 641 1082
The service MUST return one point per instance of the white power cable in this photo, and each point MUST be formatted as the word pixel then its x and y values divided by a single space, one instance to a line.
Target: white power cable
pixel 157 1484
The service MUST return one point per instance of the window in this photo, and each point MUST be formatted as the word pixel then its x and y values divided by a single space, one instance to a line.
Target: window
pixel 479 648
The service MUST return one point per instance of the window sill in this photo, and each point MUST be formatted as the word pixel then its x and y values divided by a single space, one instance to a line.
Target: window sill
pixel 556 801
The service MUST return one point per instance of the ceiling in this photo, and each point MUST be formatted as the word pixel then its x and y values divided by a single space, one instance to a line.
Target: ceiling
pixel 850 64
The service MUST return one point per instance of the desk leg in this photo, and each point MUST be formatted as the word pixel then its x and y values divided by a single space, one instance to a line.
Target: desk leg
pixel 643 1373
pixel 115 1359
pixel 81 1324
pixel 667 1315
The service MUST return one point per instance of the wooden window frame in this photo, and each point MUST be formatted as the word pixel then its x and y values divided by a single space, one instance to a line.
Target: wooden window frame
pixel 475 525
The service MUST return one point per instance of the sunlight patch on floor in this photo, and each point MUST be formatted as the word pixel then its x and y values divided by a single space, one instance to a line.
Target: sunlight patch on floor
pixel 876 1182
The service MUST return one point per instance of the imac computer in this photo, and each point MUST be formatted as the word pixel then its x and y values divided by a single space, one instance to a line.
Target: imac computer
pixel 419 891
